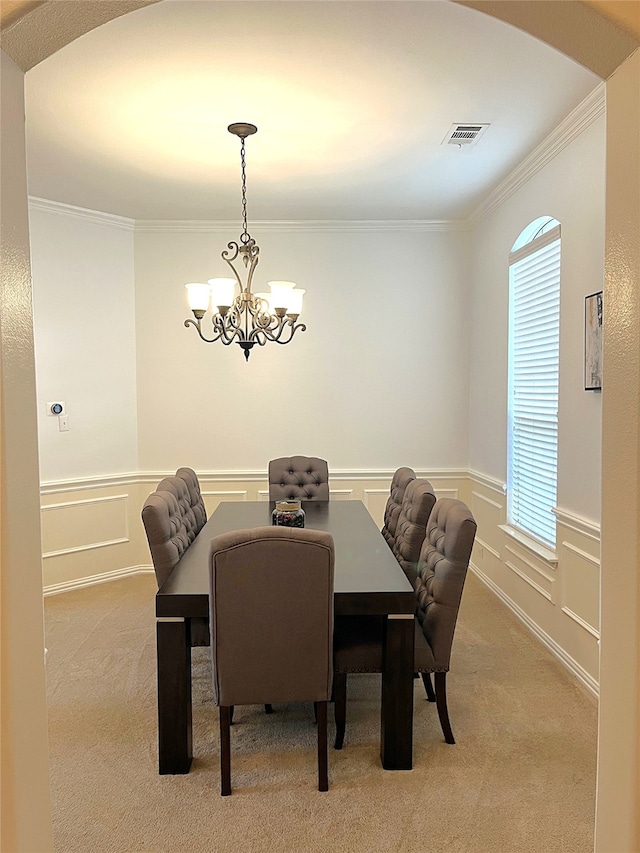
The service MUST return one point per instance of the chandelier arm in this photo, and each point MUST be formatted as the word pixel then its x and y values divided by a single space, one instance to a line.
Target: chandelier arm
pixel 229 326
pixel 198 327
pixel 276 336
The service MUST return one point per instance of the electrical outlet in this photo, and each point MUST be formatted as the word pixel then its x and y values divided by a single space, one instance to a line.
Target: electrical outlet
pixel 63 423
pixel 56 409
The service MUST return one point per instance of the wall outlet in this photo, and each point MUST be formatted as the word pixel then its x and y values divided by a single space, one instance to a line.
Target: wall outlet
pixel 63 423
pixel 56 409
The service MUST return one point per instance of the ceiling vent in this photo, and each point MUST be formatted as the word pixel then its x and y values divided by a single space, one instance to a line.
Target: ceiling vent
pixel 464 134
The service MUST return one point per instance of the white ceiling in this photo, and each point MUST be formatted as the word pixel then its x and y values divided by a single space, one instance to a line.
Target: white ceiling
pixel 352 101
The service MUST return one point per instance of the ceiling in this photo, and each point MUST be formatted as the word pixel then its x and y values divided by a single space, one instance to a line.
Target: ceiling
pixel 352 100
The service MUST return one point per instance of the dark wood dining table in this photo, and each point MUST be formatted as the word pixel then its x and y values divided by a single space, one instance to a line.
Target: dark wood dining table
pixel 368 581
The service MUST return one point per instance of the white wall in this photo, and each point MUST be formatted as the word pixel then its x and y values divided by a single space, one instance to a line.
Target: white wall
pixel 84 307
pixel 558 598
pixel 378 380
pixel 571 189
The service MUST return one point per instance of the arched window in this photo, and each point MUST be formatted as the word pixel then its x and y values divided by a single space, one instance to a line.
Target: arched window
pixel 534 348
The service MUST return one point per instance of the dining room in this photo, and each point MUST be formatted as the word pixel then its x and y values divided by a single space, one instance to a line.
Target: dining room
pixel 427 293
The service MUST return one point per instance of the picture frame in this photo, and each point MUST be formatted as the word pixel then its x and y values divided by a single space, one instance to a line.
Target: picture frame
pixel 593 341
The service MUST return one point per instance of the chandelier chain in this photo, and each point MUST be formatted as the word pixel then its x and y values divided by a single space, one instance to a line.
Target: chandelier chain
pixel 245 236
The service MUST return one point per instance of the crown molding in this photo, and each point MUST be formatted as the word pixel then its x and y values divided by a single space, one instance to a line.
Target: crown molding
pixel 43 205
pixel 404 226
pixel 564 134
pixel 226 227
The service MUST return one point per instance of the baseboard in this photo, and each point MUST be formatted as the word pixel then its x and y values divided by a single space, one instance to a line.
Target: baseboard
pixel 92 580
pixel 573 666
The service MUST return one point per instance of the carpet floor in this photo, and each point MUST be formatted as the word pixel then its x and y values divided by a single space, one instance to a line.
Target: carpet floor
pixel 521 776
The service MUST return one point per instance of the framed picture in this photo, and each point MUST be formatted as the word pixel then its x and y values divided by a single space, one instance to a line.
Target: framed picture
pixel 593 342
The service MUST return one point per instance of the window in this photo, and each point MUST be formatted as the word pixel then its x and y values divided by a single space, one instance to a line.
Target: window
pixel 534 343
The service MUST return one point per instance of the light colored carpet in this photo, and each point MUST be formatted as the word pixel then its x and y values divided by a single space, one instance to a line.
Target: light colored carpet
pixel 521 776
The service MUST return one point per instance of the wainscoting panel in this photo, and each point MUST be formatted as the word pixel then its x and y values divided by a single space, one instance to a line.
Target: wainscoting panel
pixel 579 550
pixel 81 525
pixel 92 530
pixel 558 599
pixel 212 498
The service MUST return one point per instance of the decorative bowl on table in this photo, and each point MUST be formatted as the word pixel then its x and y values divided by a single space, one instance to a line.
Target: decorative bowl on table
pixel 288 514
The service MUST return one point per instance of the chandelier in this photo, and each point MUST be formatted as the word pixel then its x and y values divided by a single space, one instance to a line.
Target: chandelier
pixel 245 317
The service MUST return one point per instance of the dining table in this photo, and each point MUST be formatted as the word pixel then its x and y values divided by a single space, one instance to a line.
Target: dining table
pixel 367 581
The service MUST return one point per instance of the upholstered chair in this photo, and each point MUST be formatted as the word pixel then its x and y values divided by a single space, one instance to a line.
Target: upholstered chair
pixel 271 615
pixel 172 523
pixel 411 527
pixel 167 533
pixel 304 478
pixel 399 483
pixel 195 495
pixel 180 490
pixel 442 570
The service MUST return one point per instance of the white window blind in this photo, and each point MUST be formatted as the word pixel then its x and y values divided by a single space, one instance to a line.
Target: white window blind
pixel 534 343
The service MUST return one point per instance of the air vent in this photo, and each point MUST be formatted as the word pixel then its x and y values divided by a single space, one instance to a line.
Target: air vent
pixel 464 134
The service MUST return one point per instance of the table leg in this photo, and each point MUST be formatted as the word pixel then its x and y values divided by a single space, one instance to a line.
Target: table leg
pixel 173 637
pixel 396 732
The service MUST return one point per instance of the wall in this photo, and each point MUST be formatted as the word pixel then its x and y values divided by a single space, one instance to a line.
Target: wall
pixel 557 597
pixel 379 378
pixel 84 319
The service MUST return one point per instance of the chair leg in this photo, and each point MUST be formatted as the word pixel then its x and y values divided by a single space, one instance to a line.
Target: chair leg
pixel 268 709
pixel 428 686
pixel 323 761
pixel 315 712
pixel 340 706
pixel 225 750
pixel 231 709
pixel 441 704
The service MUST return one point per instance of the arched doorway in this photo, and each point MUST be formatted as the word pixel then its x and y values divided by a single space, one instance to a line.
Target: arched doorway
pixel 579 32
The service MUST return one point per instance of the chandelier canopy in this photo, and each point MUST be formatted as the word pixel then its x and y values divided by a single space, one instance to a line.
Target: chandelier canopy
pixel 245 317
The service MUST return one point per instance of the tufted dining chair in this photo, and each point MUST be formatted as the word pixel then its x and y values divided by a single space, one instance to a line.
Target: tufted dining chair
pixel 441 573
pixel 195 495
pixel 411 526
pixel 271 615
pixel 171 522
pixel 399 483
pixel 304 478
pixel 167 533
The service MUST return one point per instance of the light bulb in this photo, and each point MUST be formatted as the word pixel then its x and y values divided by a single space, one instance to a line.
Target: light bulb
pixel 295 301
pixel 198 295
pixel 280 293
pixel 222 291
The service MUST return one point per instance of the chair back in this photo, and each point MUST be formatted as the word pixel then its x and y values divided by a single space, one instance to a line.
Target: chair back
pixel 168 534
pixel 271 615
pixel 411 528
pixel 442 570
pixel 399 483
pixel 304 478
pixel 195 495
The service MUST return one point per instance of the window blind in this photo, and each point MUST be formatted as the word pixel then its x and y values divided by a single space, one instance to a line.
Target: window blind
pixel 534 344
